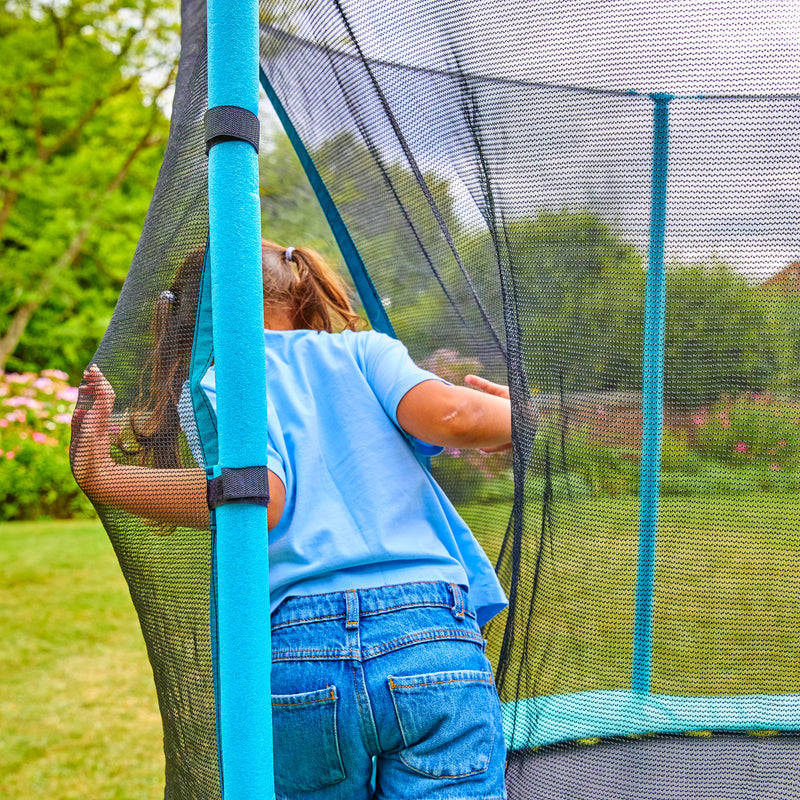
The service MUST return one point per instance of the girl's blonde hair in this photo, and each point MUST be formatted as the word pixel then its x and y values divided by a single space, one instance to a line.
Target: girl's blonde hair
pixel 299 280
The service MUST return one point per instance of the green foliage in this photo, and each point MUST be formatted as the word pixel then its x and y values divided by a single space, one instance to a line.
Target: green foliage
pixel 578 465
pixel 675 451
pixel 35 477
pixel 718 335
pixel 391 248
pixel 580 288
pixel 290 212
pixel 714 478
pixel 456 473
pixel 81 140
pixel 782 311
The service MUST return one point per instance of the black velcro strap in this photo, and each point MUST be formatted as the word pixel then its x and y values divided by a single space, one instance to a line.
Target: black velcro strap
pixel 239 485
pixel 231 124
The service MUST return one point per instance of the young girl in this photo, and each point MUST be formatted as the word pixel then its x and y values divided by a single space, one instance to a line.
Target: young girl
pixel 378 588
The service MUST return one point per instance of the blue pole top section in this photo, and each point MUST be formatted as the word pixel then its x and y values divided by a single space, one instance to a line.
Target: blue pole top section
pixel 233 52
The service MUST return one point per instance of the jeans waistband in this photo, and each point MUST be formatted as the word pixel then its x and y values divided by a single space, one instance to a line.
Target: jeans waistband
pixel 353 604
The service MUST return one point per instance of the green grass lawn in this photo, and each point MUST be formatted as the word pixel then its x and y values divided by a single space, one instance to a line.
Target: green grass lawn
pixel 78 708
pixel 726 603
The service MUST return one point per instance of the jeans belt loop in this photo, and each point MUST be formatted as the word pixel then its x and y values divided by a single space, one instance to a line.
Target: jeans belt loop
pixel 351 603
pixel 459 607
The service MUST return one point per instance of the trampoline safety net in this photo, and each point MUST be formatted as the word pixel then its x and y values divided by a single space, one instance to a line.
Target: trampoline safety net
pixel 597 203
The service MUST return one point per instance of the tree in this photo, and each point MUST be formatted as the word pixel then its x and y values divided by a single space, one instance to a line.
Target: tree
pixel 81 138
pixel 368 196
pixel 579 287
pixel 401 231
pixel 290 211
pixel 719 338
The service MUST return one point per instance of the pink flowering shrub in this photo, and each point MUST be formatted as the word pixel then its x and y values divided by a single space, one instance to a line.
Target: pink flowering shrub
pixel 35 478
pixel 751 430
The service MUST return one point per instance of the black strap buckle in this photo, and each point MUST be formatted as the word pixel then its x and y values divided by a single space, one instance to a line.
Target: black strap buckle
pixel 231 124
pixel 239 485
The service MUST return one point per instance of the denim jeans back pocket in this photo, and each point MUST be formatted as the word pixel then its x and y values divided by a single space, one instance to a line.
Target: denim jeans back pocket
pixel 306 741
pixel 448 720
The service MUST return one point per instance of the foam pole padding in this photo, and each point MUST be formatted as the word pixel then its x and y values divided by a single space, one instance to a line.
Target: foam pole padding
pixel 652 402
pixel 242 688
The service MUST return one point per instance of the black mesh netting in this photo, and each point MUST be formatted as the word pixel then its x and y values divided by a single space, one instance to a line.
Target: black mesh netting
pixel 492 166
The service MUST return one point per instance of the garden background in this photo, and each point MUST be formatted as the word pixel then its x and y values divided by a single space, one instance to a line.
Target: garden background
pixel 84 118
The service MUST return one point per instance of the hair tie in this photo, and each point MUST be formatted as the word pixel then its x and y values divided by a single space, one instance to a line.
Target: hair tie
pixel 168 295
pixel 289 253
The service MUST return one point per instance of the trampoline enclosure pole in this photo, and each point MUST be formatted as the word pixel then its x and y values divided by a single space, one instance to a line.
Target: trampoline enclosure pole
pixel 652 401
pixel 242 674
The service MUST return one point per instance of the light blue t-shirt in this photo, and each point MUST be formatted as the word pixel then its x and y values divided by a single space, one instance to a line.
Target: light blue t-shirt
pixel 361 510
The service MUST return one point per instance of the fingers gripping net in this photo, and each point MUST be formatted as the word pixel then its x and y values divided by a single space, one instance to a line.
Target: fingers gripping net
pixel 491 166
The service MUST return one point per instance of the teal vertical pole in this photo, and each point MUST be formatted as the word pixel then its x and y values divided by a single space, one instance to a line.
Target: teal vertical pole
pixel 242 686
pixel 652 401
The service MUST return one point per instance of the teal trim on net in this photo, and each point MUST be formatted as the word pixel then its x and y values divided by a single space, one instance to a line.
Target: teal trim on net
pixel 202 356
pixel 241 568
pixel 652 402
pixel 585 715
pixel 364 286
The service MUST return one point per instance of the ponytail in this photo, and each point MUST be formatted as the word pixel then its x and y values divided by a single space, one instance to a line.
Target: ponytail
pixel 299 280
pixel 320 295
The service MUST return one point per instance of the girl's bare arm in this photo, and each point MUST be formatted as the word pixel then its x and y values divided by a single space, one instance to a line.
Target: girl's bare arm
pixel 454 416
pixel 171 496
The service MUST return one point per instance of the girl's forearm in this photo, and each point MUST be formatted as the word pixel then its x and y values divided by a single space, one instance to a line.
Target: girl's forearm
pixel 171 496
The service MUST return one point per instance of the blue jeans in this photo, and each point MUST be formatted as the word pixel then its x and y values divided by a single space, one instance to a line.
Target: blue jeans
pixel 396 673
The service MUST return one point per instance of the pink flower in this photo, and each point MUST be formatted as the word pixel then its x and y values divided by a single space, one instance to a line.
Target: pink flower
pixel 601 411
pixel 70 394
pixel 55 373
pixel 63 419
pixel 1 452
pixel 43 385
pixel 3 423
pixel 455 453
pixel 11 455
pixel 741 447
pixel 774 465
pixel 23 434
pixel 38 437
pixel 698 420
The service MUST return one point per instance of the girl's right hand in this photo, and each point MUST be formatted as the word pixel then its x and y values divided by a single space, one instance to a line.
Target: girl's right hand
pixel 497 389
pixel 91 441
